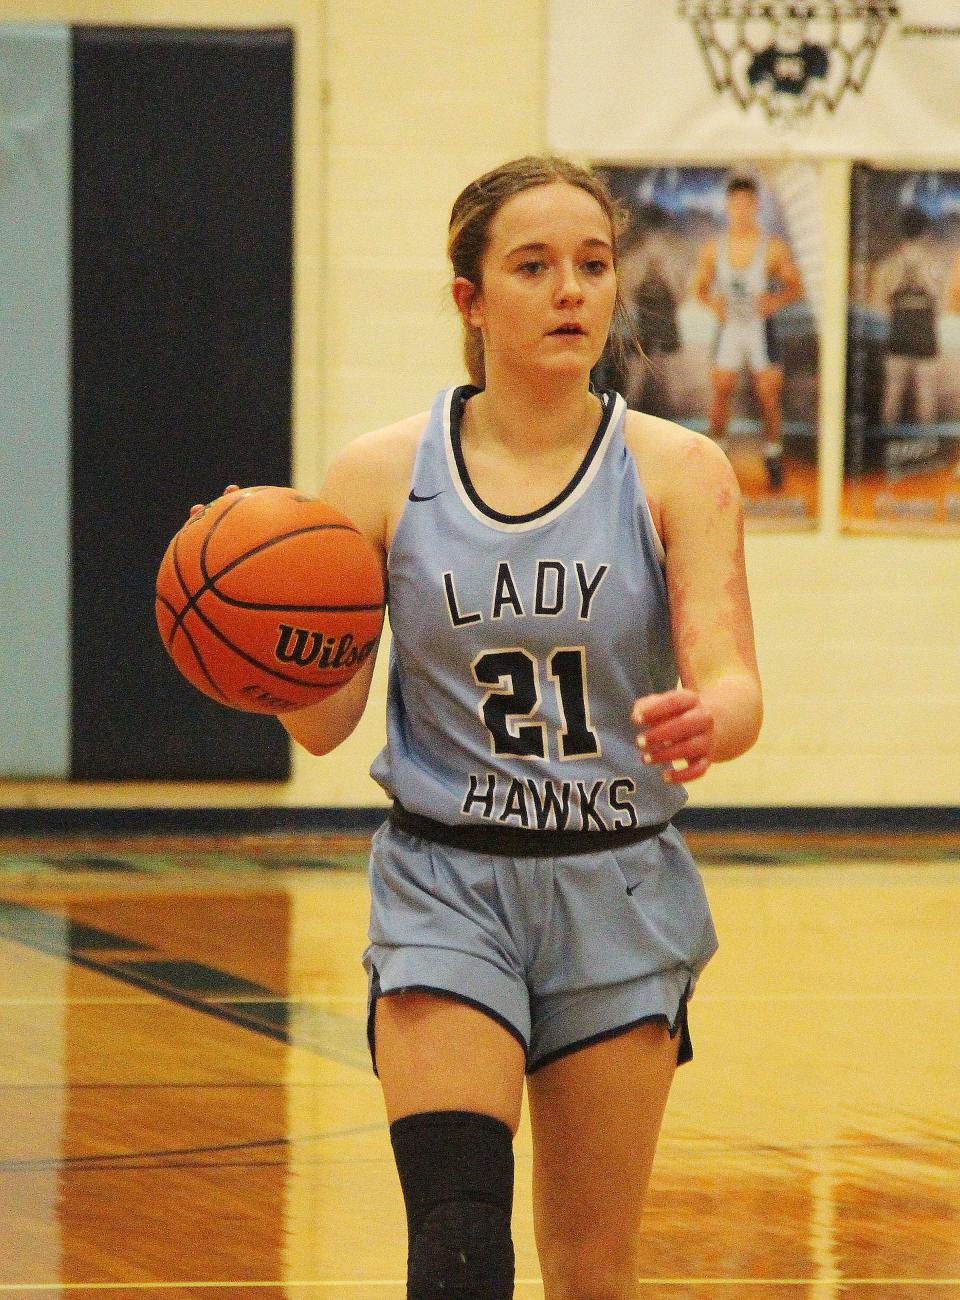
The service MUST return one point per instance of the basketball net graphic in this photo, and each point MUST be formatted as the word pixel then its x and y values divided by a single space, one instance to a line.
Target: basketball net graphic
pixel 789 57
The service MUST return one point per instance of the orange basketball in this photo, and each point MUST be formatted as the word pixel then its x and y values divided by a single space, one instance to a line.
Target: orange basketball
pixel 268 600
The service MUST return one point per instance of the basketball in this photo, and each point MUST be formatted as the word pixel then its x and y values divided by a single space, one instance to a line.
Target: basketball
pixel 269 600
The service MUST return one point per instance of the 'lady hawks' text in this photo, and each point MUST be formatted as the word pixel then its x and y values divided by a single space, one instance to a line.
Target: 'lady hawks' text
pixel 552 805
pixel 547 600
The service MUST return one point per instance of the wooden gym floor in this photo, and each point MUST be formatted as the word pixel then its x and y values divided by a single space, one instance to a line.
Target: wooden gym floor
pixel 188 1108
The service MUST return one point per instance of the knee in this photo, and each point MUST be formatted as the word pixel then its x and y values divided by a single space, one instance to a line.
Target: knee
pixel 456 1174
pixel 604 1283
pixel 768 386
pixel 586 1273
pixel 463 1249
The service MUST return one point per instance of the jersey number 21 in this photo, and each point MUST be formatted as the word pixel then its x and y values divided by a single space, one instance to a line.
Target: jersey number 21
pixel 512 677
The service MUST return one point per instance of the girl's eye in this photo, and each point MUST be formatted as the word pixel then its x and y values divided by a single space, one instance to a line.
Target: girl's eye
pixel 531 268
pixel 596 266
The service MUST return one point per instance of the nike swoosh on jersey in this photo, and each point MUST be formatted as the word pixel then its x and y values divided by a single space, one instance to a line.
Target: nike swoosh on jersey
pixel 415 496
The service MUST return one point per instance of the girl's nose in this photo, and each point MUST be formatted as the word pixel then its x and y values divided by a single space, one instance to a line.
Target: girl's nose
pixel 569 288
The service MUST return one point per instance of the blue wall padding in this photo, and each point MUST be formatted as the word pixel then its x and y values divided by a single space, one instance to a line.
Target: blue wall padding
pixel 35 162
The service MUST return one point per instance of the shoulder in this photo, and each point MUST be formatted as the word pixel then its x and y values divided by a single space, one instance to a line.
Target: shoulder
pixel 391 448
pixel 370 475
pixel 649 434
pixel 663 447
pixel 686 476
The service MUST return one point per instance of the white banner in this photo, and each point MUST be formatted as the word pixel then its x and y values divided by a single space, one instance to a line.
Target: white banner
pixel 875 79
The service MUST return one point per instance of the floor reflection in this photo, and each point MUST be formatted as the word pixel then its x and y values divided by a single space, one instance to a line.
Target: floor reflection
pixel 189 1109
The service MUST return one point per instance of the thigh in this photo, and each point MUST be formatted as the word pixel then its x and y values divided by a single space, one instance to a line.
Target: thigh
pixel 925 390
pixel 896 377
pixel 768 383
pixel 596 1117
pixel 437 1053
pixel 723 376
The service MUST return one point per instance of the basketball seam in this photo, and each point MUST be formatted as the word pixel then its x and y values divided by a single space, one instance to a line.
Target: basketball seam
pixel 209 585
pixel 203 667
pixel 273 672
pixel 254 550
pixel 210 581
pixel 179 617
pixel 262 546
pixel 289 609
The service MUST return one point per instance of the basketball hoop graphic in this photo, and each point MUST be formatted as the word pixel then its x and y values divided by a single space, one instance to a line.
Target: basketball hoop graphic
pixel 789 57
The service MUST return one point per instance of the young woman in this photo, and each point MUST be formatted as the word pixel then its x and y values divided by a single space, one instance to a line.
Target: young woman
pixel 555 564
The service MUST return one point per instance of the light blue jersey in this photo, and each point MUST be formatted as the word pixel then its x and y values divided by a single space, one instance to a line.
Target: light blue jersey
pixel 521 642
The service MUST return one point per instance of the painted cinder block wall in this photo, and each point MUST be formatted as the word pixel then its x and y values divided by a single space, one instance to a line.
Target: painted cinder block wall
pixel 397 106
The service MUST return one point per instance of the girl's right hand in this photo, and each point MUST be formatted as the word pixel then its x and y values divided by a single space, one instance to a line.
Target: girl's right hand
pixel 195 510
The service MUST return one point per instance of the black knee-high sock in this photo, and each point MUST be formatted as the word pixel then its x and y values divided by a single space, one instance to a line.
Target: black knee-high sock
pixel 456 1173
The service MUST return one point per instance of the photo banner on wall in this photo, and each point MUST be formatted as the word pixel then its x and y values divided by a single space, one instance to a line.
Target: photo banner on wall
pixel 728 78
pixel 721 269
pixel 902 446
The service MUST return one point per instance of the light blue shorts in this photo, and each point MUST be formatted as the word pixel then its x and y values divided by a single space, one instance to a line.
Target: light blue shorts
pixel 562 951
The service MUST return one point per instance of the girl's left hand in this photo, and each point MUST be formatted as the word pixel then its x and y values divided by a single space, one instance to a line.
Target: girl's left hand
pixel 675 726
pixel 195 510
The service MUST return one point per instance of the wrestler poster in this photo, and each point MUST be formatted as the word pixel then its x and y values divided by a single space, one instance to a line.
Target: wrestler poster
pixel 721 270
pixel 902 445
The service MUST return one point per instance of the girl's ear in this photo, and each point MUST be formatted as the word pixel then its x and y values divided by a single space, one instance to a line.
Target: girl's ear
pixel 466 296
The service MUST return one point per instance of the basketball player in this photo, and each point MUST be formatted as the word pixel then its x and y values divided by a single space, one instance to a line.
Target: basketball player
pixel 653 281
pixel 905 289
pixel 953 303
pixel 554 563
pixel 735 276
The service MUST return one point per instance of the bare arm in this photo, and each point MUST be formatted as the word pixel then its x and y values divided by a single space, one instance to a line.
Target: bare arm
pixel 953 286
pixel 703 279
pixel 319 728
pixel 716 713
pixel 782 267
pixel 879 286
pixel 364 481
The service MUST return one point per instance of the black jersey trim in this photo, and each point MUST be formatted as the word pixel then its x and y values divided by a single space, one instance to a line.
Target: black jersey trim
pixel 460 398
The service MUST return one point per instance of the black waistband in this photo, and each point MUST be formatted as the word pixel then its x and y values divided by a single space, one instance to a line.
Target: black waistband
pixel 513 842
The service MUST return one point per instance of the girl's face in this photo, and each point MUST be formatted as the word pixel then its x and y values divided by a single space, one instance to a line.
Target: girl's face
pixel 548 285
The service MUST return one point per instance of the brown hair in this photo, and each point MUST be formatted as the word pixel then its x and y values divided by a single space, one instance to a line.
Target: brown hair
pixel 477 205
